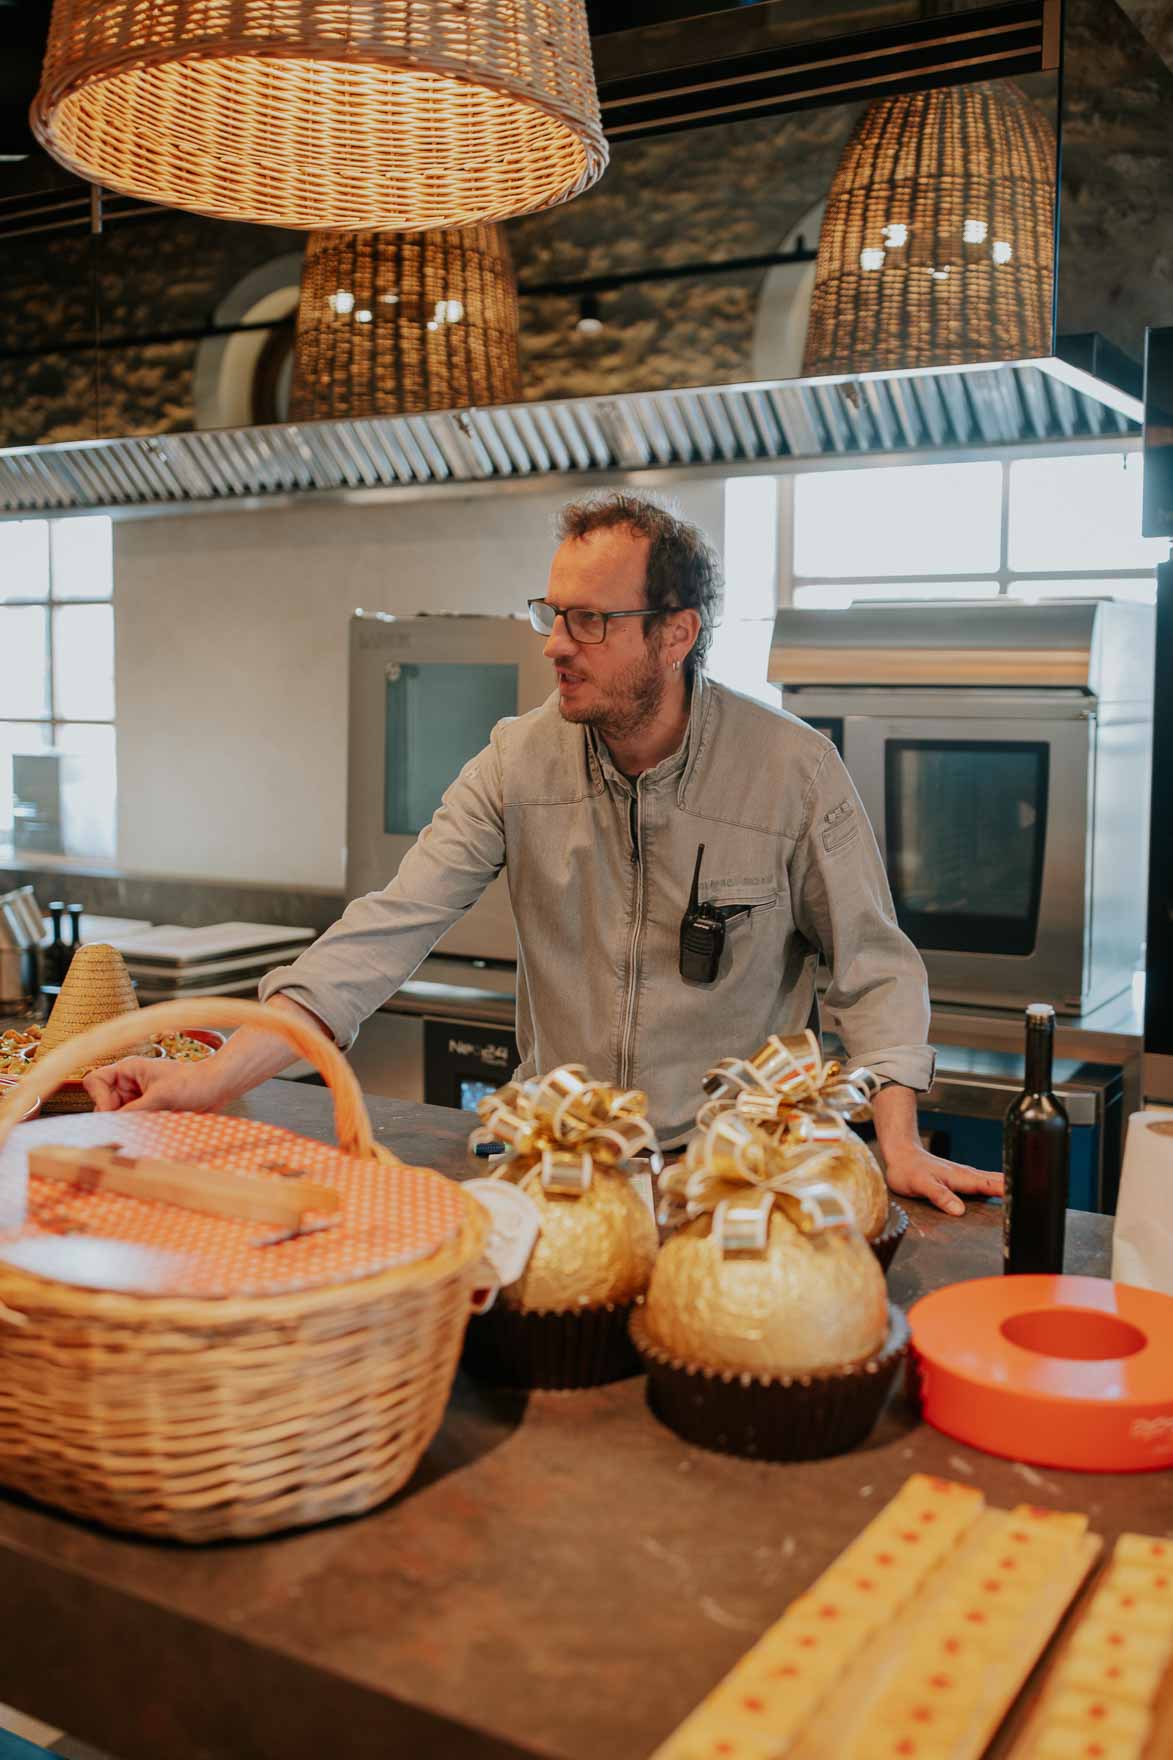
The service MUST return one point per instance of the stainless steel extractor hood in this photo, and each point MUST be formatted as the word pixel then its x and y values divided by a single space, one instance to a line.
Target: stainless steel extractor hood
pixel 725 430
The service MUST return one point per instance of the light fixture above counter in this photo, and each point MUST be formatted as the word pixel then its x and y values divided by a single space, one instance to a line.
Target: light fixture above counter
pixel 426 113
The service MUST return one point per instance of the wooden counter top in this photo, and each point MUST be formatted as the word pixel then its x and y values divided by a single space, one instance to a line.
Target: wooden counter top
pixel 563 1578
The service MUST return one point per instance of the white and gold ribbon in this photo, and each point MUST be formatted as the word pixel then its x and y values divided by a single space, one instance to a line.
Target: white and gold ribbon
pixel 772 1125
pixel 566 1124
pixel 787 1076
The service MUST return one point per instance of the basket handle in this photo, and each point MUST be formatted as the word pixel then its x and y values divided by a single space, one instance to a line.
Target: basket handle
pixel 352 1125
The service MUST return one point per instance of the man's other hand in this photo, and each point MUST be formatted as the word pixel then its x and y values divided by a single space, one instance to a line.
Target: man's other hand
pixel 914 1173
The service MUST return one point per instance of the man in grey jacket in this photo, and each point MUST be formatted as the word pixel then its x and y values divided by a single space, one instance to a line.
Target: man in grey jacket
pixel 638 775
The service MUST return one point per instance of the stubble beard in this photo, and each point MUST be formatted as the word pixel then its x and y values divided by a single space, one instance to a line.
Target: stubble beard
pixel 630 702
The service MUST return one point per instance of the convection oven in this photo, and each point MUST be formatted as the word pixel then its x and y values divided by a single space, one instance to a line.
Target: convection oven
pixel 1002 754
pixel 425 694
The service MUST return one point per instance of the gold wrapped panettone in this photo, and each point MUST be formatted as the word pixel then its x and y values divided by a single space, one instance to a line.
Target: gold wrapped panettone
pixel 570 1144
pixel 809 1301
pixel 807 1107
pixel 595 1245
pixel 767 1329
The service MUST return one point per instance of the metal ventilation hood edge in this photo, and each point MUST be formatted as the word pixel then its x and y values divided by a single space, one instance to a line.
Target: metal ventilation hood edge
pixel 771 426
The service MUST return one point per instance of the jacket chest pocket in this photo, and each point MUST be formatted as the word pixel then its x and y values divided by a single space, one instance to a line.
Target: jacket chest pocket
pixel 740 904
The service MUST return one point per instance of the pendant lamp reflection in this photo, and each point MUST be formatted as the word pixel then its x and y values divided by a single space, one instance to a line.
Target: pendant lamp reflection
pixel 356 113
pixel 397 322
pixel 938 242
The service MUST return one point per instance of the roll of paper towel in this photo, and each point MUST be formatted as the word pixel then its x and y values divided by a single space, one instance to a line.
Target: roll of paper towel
pixel 1142 1245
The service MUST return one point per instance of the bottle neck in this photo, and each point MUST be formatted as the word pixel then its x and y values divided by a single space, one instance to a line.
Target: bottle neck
pixel 1040 1044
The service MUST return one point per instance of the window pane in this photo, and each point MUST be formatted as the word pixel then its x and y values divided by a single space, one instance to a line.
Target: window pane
pixel 83 662
pixel 88 790
pixel 15 737
pixel 836 598
pixel 1140 592
pixel 24 559
pixel 904 519
pixel 22 662
pixel 1079 512
pixel 83 558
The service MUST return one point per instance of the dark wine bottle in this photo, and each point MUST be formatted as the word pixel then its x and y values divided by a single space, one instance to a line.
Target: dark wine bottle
pixel 1035 1145
pixel 75 915
pixel 55 962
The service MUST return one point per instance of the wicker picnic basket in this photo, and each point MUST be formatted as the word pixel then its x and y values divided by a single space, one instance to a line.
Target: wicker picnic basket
pixel 223 1416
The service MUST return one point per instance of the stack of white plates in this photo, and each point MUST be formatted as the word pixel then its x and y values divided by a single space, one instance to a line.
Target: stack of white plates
pixel 224 959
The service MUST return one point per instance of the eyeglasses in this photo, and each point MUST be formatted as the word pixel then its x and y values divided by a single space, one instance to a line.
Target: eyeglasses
pixel 582 625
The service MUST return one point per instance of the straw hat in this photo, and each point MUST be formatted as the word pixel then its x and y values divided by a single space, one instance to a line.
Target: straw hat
pixel 97 987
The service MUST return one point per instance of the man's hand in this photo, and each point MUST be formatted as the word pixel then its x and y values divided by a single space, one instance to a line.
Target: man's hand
pixel 910 1170
pixel 913 1173
pixel 153 1084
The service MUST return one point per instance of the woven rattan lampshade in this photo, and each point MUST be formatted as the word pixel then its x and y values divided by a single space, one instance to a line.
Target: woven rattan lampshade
pixel 938 241
pixel 326 113
pixel 394 322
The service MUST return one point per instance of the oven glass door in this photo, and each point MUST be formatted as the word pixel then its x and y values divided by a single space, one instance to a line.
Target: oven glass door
pixel 982 820
pixel 438 716
pixel 966 824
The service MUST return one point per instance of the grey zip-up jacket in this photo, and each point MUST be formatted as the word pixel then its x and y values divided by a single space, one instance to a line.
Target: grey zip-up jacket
pixel 599 871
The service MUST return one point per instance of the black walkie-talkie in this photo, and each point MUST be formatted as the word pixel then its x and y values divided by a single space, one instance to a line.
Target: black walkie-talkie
pixel 702 935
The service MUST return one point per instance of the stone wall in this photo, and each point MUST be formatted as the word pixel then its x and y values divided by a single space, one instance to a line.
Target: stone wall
pixel 1116 209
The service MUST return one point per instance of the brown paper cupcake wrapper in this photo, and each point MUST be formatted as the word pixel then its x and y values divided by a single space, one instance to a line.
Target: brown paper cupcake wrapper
pixel 775 1418
pixel 584 1348
pixel 890 1236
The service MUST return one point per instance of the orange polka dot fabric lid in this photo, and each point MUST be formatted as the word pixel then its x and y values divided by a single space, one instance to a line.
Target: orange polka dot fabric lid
pixel 389 1216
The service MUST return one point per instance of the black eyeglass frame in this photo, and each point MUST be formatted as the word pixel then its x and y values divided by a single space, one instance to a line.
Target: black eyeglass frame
pixel 568 611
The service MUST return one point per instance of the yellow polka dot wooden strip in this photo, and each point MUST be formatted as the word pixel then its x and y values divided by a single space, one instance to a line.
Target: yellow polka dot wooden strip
pixel 950 1672
pixel 1110 1694
pixel 761 1709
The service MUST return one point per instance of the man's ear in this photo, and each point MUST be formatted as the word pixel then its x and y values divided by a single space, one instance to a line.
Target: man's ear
pixel 681 634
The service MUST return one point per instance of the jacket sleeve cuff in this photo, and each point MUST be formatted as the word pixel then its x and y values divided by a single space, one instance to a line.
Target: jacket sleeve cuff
pixel 278 982
pixel 908 1066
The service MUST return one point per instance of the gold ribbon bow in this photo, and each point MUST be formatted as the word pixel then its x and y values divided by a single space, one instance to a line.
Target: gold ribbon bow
pixel 787 1084
pixel 568 1124
pixel 736 1171
pixel 772 1123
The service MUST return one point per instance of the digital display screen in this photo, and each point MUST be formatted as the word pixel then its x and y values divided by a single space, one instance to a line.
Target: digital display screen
pixel 473 1092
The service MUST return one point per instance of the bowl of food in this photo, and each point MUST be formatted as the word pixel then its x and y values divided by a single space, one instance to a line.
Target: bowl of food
pixel 191 1045
pixel 18 1047
pixel 7 1083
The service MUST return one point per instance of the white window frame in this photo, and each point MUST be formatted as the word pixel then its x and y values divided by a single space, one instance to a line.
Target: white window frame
pixel 51 603
pixel 1003 577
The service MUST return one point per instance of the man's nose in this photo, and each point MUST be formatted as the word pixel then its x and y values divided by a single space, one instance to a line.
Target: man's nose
pixel 560 644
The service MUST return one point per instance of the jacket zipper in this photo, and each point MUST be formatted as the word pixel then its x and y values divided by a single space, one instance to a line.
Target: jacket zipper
pixel 627 1033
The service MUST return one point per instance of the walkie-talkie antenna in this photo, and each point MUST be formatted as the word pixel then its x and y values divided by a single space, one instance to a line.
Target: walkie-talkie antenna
pixel 694 895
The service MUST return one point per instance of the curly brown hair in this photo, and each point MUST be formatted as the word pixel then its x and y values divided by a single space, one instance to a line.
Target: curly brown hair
pixel 684 571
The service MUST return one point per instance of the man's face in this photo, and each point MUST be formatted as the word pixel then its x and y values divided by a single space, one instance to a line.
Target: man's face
pixel 617 684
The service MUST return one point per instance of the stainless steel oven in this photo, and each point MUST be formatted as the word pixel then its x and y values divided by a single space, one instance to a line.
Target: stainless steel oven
pixel 425 693
pixel 1002 753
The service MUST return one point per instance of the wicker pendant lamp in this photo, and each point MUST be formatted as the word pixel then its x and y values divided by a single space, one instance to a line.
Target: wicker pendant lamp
pixel 326 113
pixel 397 322
pixel 938 243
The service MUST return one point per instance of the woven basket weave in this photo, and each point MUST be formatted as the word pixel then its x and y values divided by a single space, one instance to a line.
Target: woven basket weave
pixel 938 242
pixel 398 322
pixel 349 114
pixel 206 1419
